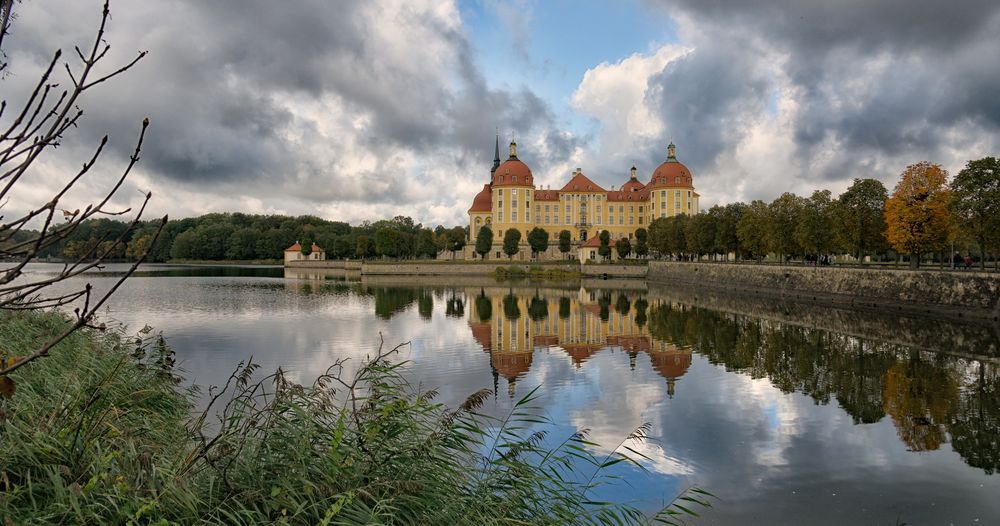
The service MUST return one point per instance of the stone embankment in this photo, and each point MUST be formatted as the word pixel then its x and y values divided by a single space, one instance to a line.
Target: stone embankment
pixel 614 271
pixel 954 294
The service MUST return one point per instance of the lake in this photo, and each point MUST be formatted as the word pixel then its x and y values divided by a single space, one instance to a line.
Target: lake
pixel 789 413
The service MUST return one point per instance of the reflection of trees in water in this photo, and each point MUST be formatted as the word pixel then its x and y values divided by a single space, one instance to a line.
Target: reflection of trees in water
pixel 604 304
pixel 389 301
pixel 454 307
pixel 925 398
pixel 975 426
pixel 564 308
pixel 538 309
pixel 425 304
pixel 484 307
pixel 640 312
pixel 623 305
pixel 510 309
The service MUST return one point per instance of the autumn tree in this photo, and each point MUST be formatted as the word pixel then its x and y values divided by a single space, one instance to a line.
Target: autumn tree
pixel 916 215
pixel 538 239
pixel 511 242
pixel 726 238
pixel 859 216
pixel 976 203
pixel 484 241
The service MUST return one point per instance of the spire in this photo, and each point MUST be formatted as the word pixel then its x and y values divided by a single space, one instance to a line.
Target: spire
pixel 633 176
pixel 513 150
pixel 671 152
pixel 496 158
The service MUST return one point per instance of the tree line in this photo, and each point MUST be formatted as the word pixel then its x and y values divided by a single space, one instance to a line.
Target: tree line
pixel 925 214
pixel 243 237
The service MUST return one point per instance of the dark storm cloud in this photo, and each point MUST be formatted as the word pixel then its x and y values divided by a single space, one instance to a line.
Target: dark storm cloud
pixel 881 78
pixel 222 80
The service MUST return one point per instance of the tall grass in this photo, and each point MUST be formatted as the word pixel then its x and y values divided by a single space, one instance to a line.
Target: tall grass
pixel 100 433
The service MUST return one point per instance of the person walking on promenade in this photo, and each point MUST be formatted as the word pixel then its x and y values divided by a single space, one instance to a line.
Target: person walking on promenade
pixel 956 261
pixel 968 262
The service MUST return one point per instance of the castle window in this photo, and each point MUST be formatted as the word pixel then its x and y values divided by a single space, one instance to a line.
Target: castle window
pixel 663 194
pixel 546 220
pixel 631 220
pixel 640 220
pixel 621 209
pixel 611 220
pixel 515 182
pixel 513 216
pixel 663 205
pixel 567 220
pixel 513 191
pixel 677 179
pixel 640 209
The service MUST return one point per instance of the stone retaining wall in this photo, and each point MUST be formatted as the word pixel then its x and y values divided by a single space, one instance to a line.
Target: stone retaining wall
pixel 614 271
pixel 960 294
pixel 456 269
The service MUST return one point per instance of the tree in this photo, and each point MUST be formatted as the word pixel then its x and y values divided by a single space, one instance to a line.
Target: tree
pixel 484 241
pixel 813 232
pixel 39 124
pixel 425 244
pixel 456 240
pixel 785 212
pixel 658 236
pixel 538 238
pixel 976 203
pixel 726 238
pixel 565 239
pixel 365 247
pixel 605 249
pixel 623 247
pixel 916 216
pixel 511 242
pixel 859 216
pixel 751 229
pixel 641 246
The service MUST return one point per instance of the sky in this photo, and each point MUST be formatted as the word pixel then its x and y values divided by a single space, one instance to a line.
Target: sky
pixel 359 111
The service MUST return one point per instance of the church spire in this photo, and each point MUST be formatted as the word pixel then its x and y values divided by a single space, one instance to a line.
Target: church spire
pixel 496 158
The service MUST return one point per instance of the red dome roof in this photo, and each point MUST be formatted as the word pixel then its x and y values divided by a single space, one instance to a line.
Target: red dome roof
pixel 671 173
pixel 671 365
pixel 483 201
pixel 511 365
pixel 513 172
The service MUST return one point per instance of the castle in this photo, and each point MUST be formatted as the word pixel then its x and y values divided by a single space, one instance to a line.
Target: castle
pixel 581 206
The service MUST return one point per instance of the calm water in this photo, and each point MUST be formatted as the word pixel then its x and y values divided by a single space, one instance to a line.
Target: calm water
pixel 790 413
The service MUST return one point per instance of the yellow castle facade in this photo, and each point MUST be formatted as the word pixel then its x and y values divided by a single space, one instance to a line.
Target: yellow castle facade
pixel 512 201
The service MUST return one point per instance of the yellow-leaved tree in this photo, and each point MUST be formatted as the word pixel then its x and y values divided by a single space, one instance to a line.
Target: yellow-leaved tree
pixel 917 213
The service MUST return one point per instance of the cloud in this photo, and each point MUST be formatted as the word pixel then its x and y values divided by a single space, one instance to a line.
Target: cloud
pixel 781 95
pixel 363 109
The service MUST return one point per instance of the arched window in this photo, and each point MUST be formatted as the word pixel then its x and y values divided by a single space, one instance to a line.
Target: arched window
pixel 677 179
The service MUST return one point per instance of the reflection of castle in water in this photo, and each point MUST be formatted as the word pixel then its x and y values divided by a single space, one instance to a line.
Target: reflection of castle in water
pixel 581 323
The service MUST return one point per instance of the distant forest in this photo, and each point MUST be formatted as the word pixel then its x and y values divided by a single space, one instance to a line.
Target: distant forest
pixel 245 237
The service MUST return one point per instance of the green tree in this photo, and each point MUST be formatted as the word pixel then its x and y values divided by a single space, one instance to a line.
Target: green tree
pixel 726 238
pixel 484 241
pixel 365 247
pixel 917 216
pixel 242 245
pixel 511 242
pixel 565 239
pixel 387 242
pixel 785 212
pixel 752 228
pixel 624 247
pixel 456 240
pixel 677 234
pixel 813 232
pixel 641 242
pixel 425 244
pixel 605 249
pixel 976 203
pixel 659 239
pixel 538 238
pixel 859 215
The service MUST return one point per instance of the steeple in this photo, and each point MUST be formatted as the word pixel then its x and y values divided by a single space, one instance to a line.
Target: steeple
pixel 496 158
pixel 633 176
pixel 513 150
pixel 671 152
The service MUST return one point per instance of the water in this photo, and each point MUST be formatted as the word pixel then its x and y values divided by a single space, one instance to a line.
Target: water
pixel 790 413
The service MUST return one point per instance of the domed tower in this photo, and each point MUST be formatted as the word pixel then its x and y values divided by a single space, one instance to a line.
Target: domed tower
pixel 512 195
pixel 671 188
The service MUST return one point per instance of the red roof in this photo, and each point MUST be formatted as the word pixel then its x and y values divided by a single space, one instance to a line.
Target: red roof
pixel 580 183
pixel 593 242
pixel 315 248
pixel 670 365
pixel 294 248
pixel 546 195
pixel 671 174
pixel 511 365
pixel 513 172
pixel 483 201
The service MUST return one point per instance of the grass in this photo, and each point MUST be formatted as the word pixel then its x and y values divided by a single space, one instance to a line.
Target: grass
pixel 535 272
pixel 100 433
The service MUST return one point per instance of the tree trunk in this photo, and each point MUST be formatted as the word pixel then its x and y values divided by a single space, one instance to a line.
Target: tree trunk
pixel 914 261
